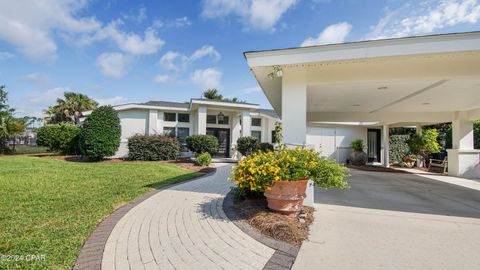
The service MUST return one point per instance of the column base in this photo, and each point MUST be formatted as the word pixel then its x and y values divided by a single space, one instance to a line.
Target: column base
pixel 464 163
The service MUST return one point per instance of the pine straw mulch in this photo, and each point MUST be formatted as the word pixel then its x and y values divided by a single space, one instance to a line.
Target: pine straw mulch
pixel 182 162
pixel 292 230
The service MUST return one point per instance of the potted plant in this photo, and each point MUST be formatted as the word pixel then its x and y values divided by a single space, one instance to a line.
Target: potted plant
pixel 358 157
pixel 283 175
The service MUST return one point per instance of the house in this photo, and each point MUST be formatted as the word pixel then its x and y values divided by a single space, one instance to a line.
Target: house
pixel 225 120
pixel 329 93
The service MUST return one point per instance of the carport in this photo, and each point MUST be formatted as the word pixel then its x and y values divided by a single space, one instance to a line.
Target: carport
pixel 382 83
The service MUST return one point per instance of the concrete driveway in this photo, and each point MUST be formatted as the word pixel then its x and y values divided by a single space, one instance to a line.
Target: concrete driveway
pixel 394 221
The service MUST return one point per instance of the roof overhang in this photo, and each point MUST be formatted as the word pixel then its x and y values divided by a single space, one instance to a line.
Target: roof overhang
pixel 131 106
pixel 222 104
pixel 430 74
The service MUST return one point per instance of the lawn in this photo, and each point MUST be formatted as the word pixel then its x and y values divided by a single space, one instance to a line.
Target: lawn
pixel 49 207
pixel 28 149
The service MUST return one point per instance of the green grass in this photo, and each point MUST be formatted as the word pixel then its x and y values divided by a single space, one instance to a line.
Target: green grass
pixel 49 207
pixel 28 149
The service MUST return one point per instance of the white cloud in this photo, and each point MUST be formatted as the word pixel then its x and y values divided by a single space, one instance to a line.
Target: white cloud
pixel 112 100
pixel 139 17
pixel 37 77
pixel 130 43
pixel 160 78
pixel 30 25
pixel 425 17
pixel 253 14
pixel 177 61
pixel 175 23
pixel 113 64
pixel 45 98
pixel 336 33
pixel 6 55
pixel 206 78
pixel 250 90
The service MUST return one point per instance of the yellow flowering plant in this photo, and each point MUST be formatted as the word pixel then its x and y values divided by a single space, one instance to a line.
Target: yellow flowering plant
pixel 259 171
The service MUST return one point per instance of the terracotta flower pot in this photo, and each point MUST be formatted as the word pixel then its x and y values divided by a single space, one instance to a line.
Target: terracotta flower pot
pixel 286 197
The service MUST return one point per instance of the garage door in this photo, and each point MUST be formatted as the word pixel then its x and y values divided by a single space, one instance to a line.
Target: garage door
pixel 322 140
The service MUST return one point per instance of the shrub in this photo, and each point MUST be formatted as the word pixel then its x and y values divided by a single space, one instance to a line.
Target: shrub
pixel 204 159
pixel 424 144
pixel 265 147
pixel 399 148
pixel 153 147
pixel 62 137
pixel 259 171
pixel 202 144
pixel 100 134
pixel 357 145
pixel 247 145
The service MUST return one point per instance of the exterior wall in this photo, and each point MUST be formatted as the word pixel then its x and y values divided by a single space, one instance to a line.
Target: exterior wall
pixel 133 122
pixel 335 140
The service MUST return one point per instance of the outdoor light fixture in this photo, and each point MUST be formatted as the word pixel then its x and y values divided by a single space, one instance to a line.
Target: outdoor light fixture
pixel 277 72
pixel 382 88
pixel 426 103
pixel 220 117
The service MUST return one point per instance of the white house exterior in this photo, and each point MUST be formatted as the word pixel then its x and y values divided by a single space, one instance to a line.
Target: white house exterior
pixel 326 95
pixel 226 120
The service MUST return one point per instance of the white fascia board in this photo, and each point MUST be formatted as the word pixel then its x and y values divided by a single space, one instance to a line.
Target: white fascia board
pixel 384 117
pixel 139 106
pixel 450 43
pixel 263 115
pixel 224 104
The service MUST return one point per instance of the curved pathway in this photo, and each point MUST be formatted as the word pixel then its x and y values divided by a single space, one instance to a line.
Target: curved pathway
pixel 183 227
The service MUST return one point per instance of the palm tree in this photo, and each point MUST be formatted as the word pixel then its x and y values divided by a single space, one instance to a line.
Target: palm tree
pixel 212 93
pixel 70 108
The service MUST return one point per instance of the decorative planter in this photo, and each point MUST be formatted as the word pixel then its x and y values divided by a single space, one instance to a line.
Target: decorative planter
pixel 286 197
pixel 358 158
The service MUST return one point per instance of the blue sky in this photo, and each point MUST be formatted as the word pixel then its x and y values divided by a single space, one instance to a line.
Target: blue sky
pixel 132 51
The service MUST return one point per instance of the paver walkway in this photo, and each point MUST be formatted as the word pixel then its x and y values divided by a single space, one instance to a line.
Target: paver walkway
pixel 184 227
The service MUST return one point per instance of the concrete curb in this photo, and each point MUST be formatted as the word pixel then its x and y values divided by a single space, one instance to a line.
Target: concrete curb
pixel 91 253
pixel 285 253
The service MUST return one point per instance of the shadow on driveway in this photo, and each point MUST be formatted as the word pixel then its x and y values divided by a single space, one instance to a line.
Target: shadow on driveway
pixel 403 192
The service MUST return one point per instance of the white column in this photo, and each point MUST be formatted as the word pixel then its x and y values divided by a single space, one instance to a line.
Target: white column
pixel 246 124
pixel 160 123
pixel 463 159
pixel 202 120
pixel 386 146
pixel 236 133
pixel 152 122
pixel 294 107
pixel 420 161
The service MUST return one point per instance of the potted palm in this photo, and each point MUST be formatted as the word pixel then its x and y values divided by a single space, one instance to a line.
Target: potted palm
pixel 282 176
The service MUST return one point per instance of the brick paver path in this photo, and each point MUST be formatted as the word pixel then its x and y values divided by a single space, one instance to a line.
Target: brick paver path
pixel 184 227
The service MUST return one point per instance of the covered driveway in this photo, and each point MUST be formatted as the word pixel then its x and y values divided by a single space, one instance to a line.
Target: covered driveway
pixel 394 221
pixel 382 83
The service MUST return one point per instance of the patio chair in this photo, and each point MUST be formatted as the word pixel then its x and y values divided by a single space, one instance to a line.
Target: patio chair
pixel 439 163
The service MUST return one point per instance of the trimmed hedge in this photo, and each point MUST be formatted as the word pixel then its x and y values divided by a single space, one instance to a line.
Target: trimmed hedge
pixel 153 147
pixel 202 144
pixel 62 137
pixel 399 148
pixel 265 147
pixel 100 135
pixel 204 159
pixel 247 145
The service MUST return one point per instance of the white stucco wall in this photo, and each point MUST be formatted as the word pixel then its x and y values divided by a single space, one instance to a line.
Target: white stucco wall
pixel 133 122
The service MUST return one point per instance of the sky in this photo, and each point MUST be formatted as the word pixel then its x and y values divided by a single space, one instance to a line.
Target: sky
pixel 122 51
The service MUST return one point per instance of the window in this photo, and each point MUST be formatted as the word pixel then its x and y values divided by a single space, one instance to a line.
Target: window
pixel 170 117
pixel 211 119
pixel 169 131
pixel 273 136
pixel 224 122
pixel 184 117
pixel 257 134
pixel 182 134
pixel 256 122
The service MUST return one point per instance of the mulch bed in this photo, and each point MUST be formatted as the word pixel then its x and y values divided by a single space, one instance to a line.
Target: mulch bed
pixel 255 212
pixel 182 162
pixel 371 168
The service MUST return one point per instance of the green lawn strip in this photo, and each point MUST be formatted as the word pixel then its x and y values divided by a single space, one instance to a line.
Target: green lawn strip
pixel 50 206
pixel 27 149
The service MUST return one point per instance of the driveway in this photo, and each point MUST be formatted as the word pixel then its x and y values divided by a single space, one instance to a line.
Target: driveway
pixel 394 221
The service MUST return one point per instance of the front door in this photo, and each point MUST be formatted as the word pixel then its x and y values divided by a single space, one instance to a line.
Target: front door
pixel 223 136
pixel 373 145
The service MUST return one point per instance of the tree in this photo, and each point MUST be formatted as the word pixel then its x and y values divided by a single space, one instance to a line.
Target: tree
pixel 425 144
pixel 69 109
pixel 212 93
pixel 9 125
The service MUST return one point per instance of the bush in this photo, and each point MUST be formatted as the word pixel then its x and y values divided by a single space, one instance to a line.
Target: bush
pixel 202 144
pixel 424 144
pixel 247 145
pixel 100 134
pixel 357 145
pixel 265 147
pixel 62 137
pixel 399 148
pixel 259 171
pixel 153 147
pixel 203 159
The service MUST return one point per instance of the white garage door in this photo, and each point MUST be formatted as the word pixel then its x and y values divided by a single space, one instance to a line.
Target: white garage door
pixel 323 140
